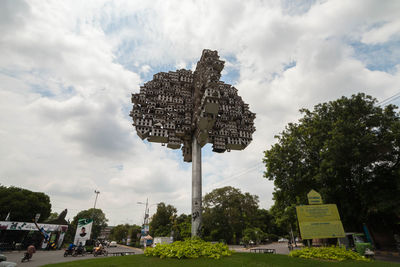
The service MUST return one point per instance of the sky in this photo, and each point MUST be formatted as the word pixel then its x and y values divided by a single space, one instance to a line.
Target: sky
pixel 68 68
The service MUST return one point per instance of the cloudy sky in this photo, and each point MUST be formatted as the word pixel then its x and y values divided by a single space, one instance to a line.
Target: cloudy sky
pixel 67 69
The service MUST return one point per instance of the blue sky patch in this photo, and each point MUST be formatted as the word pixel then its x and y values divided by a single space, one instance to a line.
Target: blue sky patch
pixel 378 57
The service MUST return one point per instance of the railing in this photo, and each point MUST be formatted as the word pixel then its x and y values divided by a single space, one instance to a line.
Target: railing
pixel 263 250
pixel 121 253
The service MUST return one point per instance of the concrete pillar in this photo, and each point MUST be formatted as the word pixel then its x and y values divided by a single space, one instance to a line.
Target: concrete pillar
pixel 196 187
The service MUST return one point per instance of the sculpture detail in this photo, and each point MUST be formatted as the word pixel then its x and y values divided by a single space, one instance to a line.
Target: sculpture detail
pixel 175 106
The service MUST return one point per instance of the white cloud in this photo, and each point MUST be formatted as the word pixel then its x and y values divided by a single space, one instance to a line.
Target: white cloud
pixel 382 34
pixel 66 74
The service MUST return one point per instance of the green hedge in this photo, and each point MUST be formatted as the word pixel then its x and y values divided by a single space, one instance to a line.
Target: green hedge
pixel 328 253
pixel 190 248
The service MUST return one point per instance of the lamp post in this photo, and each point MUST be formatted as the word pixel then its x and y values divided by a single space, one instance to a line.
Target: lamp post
pixel 146 210
pixel 146 214
pixel 95 201
pixel 145 228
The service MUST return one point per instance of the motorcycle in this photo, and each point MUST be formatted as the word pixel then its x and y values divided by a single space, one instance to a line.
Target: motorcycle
pixel 68 252
pixel 100 251
pixel 26 257
pixel 78 251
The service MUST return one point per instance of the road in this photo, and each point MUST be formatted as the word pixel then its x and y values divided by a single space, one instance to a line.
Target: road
pixel 41 258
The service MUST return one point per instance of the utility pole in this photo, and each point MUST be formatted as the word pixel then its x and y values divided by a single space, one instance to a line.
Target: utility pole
pixel 95 201
pixel 146 213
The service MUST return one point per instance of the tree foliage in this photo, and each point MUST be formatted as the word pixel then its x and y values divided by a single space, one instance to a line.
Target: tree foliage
pixel 119 232
pixel 23 204
pixel 348 150
pixel 162 221
pixel 227 212
pixel 182 228
pixel 124 231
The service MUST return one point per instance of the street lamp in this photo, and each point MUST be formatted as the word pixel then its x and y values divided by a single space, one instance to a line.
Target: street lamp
pixel 95 201
pixel 146 210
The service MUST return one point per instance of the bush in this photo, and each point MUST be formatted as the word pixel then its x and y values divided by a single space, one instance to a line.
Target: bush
pixel 190 248
pixel 328 253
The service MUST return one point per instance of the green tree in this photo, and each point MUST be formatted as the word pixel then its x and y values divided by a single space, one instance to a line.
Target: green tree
pixel 348 150
pixel 123 231
pixel 227 212
pixel 285 221
pixel 134 233
pixel 182 227
pixel 255 235
pixel 162 221
pixel 23 204
pixel 119 232
pixel 99 223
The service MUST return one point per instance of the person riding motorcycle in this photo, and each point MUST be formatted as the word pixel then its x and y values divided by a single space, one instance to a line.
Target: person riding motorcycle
pixel 99 249
pixel 80 248
pixel 71 247
pixel 29 252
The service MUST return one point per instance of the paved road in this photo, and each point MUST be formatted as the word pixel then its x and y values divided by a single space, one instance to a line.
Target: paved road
pixel 41 258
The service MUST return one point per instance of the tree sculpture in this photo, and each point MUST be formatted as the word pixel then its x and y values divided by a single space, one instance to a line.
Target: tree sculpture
pixel 187 110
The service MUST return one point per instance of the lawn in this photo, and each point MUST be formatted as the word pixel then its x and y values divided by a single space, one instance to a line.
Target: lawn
pixel 238 259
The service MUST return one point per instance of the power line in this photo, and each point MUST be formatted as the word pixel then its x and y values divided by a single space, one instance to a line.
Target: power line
pixel 389 99
pixel 236 176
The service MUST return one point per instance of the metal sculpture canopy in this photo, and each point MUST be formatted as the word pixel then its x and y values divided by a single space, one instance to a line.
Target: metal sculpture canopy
pixel 187 110
pixel 174 106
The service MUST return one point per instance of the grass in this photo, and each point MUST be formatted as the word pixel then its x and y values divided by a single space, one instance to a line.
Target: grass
pixel 238 259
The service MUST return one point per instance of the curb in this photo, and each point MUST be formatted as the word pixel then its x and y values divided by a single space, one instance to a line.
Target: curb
pixel 133 248
pixel 387 253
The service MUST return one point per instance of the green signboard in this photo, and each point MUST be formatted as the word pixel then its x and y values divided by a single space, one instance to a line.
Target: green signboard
pixel 317 220
pixel 317 213
pixel 314 198
pixel 332 229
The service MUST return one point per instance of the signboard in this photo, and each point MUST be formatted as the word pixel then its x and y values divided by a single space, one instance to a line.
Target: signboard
pixel 145 229
pixel 329 229
pixel 26 226
pixel 83 231
pixel 319 221
pixel 314 198
pixel 316 213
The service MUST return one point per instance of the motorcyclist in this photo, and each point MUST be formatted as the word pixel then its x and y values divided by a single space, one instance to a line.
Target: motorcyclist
pixel 80 248
pixel 99 248
pixel 30 250
pixel 71 247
